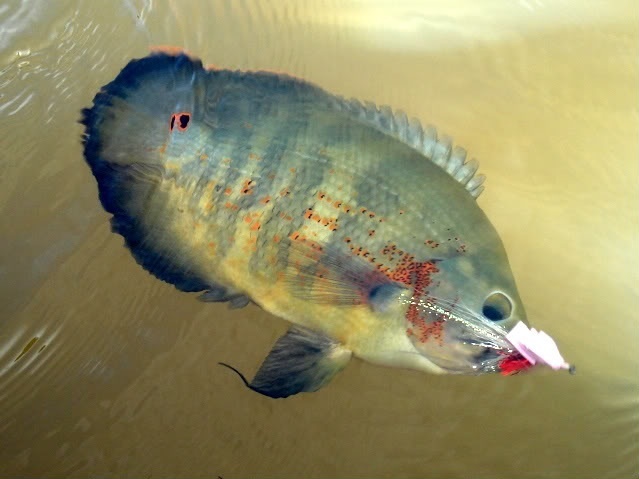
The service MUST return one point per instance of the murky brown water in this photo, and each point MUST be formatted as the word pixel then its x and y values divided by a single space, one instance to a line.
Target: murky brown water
pixel 106 371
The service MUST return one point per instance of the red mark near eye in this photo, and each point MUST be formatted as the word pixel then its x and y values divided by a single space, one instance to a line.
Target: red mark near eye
pixel 181 120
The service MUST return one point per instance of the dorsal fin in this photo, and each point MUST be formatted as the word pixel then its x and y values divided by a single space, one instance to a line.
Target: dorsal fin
pixel 438 150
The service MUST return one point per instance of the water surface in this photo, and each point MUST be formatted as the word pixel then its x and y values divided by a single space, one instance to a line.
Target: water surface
pixel 106 371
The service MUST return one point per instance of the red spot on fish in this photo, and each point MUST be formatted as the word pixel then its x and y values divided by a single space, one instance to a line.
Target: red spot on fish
pixel 228 191
pixel 180 120
pixel 418 276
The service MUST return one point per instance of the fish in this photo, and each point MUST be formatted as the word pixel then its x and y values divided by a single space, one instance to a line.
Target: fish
pixel 354 223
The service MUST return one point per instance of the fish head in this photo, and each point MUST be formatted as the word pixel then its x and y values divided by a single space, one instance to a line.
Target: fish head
pixel 459 316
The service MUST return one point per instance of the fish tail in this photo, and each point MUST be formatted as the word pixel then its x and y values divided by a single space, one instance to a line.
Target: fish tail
pixel 126 132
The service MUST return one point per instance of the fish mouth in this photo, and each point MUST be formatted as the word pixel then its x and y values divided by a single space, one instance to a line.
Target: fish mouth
pixel 469 356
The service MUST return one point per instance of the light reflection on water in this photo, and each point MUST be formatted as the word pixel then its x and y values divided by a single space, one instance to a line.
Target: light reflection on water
pixel 107 371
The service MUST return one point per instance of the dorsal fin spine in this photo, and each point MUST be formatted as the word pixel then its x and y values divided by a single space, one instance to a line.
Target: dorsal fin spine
pixel 425 140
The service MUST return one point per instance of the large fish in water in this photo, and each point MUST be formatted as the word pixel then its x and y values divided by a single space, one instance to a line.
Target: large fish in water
pixel 355 224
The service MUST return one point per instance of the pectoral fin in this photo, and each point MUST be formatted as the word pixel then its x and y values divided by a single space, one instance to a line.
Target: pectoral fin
pixel 300 361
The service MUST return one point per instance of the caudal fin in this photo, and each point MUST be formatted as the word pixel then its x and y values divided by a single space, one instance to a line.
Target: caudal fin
pixel 126 132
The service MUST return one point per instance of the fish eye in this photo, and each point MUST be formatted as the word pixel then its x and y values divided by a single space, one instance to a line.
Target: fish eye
pixel 497 307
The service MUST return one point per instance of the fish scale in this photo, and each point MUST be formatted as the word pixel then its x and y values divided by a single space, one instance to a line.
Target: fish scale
pixel 346 219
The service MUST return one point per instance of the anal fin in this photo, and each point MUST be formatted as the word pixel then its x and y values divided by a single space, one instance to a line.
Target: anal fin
pixel 300 361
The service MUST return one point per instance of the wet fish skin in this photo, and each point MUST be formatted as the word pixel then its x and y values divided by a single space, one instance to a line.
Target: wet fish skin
pixel 269 188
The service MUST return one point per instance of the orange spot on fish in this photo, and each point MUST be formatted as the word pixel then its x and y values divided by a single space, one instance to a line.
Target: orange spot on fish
pixel 169 50
pixel 247 187
pixel 253 156
pixel 295 235
pixel 204 157
pixel 276 238
pixel 255 226
pixel 293 170
pixel 228 191
pixel 285 192
pixel 209 206
pixel 266 200
pixel 231 206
